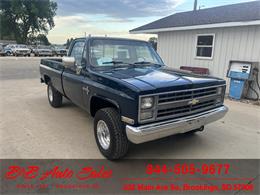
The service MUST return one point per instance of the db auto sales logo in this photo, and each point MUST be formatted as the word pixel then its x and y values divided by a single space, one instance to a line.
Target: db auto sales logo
pixel 33 172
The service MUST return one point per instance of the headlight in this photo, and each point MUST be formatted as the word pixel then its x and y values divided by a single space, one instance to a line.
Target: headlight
pixel 219 90
pixel 147 102
pixel 146 115
pixel 219 100
pixel 221 95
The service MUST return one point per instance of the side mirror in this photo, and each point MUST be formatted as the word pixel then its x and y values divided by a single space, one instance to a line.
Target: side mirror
pixel 68 61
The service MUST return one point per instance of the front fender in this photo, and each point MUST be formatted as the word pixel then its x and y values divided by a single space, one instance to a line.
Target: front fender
pixel 107 100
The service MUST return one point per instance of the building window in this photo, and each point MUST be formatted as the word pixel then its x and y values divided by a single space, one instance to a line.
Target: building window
pixel 205 46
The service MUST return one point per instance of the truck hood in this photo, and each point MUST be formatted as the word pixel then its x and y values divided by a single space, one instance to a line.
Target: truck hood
pixel 162 79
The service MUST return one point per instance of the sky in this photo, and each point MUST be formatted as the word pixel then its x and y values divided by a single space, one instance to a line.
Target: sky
pixel 115 18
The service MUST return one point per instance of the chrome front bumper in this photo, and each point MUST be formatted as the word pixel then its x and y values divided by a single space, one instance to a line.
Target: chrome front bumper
pixel 158 130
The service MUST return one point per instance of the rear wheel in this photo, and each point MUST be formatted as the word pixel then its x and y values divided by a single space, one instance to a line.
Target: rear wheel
pixel 109 134
pixel 54 97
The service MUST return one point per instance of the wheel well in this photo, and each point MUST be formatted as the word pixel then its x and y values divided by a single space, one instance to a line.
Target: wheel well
pixel 46 79
pixel 97 103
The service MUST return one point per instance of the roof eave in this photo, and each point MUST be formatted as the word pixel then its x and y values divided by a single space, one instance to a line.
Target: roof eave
pixel 204 26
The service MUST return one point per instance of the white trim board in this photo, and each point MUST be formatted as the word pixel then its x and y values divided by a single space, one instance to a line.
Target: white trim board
pixel 204 26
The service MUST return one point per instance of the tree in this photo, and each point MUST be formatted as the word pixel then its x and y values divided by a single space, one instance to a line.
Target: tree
pixel 23 18
pixel 42 39
pixel 153 41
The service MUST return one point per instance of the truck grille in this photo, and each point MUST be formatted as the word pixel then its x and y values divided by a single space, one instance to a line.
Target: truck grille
pixel 186 102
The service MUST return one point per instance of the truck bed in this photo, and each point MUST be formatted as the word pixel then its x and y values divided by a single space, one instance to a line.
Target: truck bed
pixel 52 68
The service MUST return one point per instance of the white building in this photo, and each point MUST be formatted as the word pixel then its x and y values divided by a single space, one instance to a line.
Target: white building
pixel 209 38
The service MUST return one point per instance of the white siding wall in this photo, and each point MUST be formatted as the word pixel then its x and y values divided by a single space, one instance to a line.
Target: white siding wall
pixel 234 43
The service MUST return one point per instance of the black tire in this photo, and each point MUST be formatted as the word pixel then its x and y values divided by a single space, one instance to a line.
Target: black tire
pixel 56 100
pixel 119 143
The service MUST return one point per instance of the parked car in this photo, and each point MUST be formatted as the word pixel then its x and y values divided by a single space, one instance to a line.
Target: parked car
pixel 20 50
pixel 59 51
pixel 31 47
pixel 8 50
pixel 43 50
pixel 131 94
pixel 2 51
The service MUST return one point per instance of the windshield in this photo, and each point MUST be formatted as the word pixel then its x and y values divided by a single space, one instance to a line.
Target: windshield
pixel 109 52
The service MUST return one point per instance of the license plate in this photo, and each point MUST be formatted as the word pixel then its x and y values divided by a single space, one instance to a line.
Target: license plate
pixel 196 122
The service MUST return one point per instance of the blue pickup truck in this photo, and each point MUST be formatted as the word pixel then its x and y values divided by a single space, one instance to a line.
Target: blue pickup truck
pixel 131 94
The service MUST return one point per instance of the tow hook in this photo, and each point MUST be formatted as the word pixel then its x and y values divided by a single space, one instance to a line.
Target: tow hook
pixel 201 129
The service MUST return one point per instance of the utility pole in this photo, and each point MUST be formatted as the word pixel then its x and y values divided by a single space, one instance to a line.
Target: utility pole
pixel 195 5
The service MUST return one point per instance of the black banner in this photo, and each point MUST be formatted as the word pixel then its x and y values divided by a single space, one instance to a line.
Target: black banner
pixel 130 176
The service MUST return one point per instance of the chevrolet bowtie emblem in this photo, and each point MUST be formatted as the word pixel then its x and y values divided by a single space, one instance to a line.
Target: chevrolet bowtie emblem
pixel 193 102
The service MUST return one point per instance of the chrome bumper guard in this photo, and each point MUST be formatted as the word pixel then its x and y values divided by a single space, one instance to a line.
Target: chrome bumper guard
pixel 158 130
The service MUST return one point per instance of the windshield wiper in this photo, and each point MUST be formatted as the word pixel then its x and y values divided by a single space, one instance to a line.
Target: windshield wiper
pixel 116 64
pixel 136 64
pixel 113 62
pixel 143 62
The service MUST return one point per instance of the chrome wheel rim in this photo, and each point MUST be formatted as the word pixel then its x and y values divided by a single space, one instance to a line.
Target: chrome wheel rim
pixel 103 134
pixel 50 94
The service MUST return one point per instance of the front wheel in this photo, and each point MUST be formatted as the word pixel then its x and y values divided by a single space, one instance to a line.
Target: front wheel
pixel 109 134
pixel 54 97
